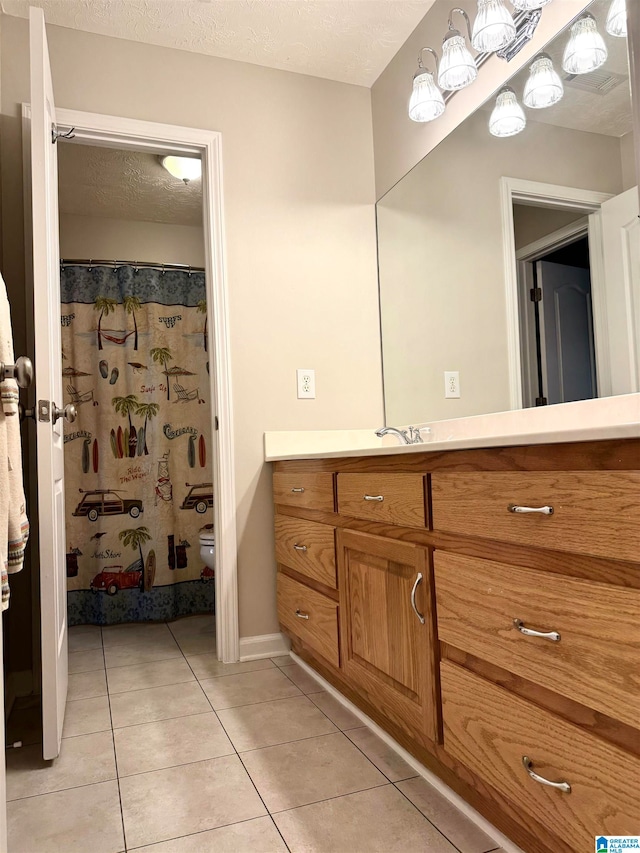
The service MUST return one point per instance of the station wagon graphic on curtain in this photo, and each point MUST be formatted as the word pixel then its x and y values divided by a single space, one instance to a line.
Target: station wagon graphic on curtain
pixel 139 484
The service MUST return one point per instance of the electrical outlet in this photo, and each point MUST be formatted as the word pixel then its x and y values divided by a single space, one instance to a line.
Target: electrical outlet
pixel 451 383
pixel 306 383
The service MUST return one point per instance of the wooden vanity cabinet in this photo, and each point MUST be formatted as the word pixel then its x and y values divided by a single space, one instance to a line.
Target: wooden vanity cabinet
pixel 530 645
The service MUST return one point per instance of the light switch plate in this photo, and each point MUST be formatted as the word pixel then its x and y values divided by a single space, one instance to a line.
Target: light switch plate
pixel 306 383
pixel 451 383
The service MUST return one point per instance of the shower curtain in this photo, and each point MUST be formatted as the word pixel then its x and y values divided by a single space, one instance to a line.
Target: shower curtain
pixel 138 477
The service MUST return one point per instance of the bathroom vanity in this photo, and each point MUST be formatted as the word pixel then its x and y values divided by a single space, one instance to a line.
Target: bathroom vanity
pixel 482 606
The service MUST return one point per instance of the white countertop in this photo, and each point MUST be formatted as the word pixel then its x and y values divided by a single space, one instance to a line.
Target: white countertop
pixel 587 420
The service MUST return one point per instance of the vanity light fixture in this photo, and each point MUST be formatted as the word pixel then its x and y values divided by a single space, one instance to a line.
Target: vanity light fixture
pixel 493 28
pixel 529 5
pixel 616 23
pixel 426 102
pixel 457 67
pixel 544 86
pixel 585 50
pixel 184 168
pixel 507 118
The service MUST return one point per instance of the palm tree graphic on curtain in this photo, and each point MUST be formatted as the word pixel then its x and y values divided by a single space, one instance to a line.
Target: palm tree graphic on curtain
pixel 125 406
pixel 147 411
pixel 135 537
pixel 105 306
pixel 202 309
pixel 131 305
pixel 162 355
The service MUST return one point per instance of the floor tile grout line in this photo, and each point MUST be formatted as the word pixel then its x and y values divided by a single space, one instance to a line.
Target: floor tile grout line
pixel 198 832
pixel 357 746
pixel 442 833
pixel 115 753
pixel 385 784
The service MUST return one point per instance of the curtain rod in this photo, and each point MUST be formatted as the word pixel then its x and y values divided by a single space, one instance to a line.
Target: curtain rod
pixel 89 262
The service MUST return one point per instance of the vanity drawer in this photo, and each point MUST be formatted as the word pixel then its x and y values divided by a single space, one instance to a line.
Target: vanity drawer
pixel 311 491
pixel 309 615
pixel 490 730
pixel 595 661
pixel 307 547
pixel 391 498
pixel 594 512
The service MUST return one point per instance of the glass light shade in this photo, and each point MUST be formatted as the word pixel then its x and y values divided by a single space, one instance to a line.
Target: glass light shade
pixel 457 67
pixel 544 86
pixel 493 27
pixel 426 102
pixel 585 50
pixel 616 24
pixel 508 117
pixel 184 168
pixel 529 5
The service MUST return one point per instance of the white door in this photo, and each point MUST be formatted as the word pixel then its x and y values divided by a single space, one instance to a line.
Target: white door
pixel 48 375
pixel 567 333
pixel 621 246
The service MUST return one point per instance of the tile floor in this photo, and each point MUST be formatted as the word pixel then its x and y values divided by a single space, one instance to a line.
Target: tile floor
pixel 166 750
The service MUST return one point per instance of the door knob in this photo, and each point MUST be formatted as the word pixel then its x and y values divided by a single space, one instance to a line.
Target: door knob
pixel 69 412
pixel 21 371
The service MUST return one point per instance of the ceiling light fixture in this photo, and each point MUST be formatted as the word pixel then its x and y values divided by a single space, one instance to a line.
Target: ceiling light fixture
pixel 585 50
pixel 616 24
pixel 529 5
pixel 507 118
pixel 184 168
pixel 544 86
pixel 493 28
pixel 457 67
pixel 426 102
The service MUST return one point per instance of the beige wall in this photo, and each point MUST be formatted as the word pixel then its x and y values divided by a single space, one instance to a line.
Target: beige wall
pixel 533 223
pixel 126 240
pixel 627 155
pixel 441 261
pixel 300 239
pixel 400 143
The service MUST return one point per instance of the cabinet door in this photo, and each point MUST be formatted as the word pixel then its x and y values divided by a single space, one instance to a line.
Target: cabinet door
pixel 387 651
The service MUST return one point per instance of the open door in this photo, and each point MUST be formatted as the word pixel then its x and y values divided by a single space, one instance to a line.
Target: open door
pixel 48 372
pixel 621 246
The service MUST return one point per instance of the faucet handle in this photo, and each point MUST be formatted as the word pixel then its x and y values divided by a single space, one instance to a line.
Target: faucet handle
pixel 414 435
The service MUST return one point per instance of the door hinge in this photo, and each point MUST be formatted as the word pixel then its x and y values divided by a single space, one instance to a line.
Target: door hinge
pixel 541 401
pixel 58 134
pixel 216 425
pixel 44 411
pixel 536 294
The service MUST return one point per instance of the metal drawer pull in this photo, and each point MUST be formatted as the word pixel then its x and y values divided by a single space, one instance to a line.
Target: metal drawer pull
pixel 543 510
pixel 561 786
pixel 298 490
pixel 413 598
pixel 530 632
pixel 300 547
pixel 301 615
pixel 373 498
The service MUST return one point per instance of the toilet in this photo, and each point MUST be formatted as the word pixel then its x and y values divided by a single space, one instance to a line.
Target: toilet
pixel 208 548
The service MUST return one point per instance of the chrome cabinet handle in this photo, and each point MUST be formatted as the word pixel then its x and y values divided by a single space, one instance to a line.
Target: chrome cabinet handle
pixel 530 632
pixel 373 498
pixel 560 786
pixel 413 598
pixel 301 615
pixel 21 371
pixel 298 490
pixel 542 510
pixel 299 547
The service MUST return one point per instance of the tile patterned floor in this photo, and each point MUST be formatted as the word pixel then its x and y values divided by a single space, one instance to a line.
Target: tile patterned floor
pixel 166 750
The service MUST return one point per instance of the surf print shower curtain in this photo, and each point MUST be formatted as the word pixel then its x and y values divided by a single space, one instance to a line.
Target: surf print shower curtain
pixel 138 475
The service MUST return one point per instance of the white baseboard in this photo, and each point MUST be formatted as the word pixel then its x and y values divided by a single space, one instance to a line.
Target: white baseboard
pixel 463 806
pixel 263 646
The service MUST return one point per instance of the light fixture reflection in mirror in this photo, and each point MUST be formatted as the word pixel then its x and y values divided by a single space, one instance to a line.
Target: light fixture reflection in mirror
pixel 585 50
pixel 184 168
pixel 544 87
pixel 457 67
pixel 507 118
pixel 616 24
pixel 529 5
pixel 426 102
pixel 493 27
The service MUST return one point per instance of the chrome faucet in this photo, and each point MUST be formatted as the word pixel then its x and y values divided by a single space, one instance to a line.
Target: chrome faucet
pixel 410 436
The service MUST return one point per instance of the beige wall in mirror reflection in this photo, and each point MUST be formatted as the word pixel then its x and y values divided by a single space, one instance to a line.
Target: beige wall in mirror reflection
pixel 442 265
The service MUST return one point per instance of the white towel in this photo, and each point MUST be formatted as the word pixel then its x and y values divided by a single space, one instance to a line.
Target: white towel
pixel 14 525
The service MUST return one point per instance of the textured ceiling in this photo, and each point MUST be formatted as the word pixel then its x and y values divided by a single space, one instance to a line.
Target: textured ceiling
pixel 118 184
pixel 348 40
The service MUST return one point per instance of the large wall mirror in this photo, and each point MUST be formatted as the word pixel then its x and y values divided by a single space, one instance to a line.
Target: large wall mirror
pixel 514 262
